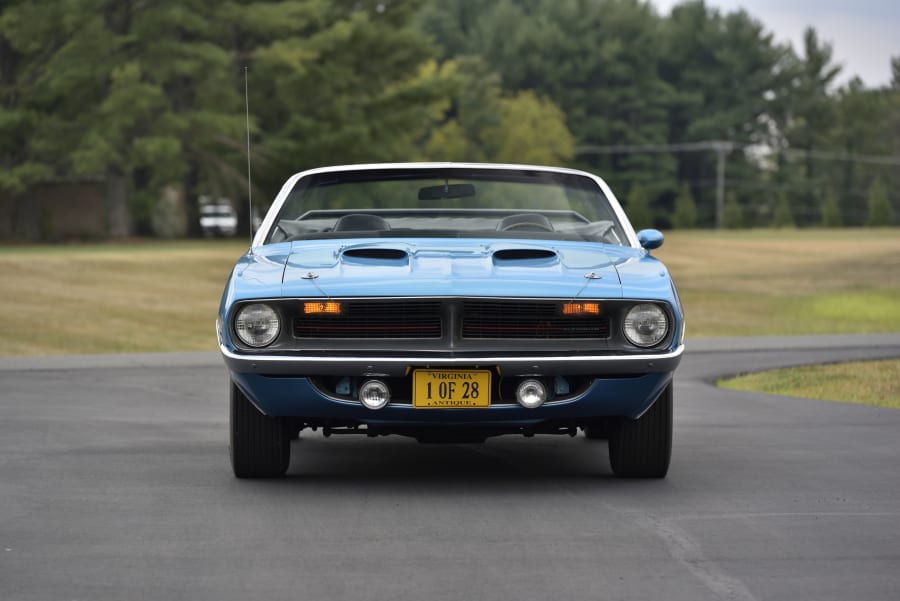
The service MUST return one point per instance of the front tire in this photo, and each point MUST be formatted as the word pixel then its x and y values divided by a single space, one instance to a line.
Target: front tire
pixel 260 445
pixel 642 448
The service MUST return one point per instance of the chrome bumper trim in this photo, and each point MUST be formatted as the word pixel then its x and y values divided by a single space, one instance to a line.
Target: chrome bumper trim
pixel 278 365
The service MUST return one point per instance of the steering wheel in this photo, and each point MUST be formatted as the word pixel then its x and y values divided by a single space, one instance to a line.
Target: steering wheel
pixel 527 226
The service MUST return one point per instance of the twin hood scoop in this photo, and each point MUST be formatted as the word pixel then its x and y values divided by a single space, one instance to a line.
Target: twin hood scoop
pixel 385 254
pixel 511 255
pixel 506 256
pixel 449 268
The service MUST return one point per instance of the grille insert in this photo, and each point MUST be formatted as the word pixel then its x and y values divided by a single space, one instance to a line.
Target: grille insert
pixel 528 320
pixel 374 320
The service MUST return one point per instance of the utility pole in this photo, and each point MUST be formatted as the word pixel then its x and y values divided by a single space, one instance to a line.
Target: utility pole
pixel 722 149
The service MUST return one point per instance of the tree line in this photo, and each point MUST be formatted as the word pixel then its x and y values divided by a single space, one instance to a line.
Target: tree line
pixel 697 118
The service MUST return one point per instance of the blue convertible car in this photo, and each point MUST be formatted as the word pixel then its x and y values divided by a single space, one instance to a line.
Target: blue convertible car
pixel 450 302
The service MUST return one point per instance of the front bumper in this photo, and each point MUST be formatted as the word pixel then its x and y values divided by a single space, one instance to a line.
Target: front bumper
pixel 299 398
pixel 620 386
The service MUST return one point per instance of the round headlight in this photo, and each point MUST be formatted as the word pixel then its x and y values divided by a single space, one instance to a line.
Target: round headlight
pixel 257 325
pixel 646 325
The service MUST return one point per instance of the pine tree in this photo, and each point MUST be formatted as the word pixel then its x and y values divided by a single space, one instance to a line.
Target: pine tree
pixel 812 117
pixel 685 215
pixel 831 211
pixel 150 94
pixel 596 61
pixel 30 34
pixel 21 162
pixel 880 211
pixel 638 208
pixel 782 216
pixel 733 216
pixel 729 94
pixel 342 82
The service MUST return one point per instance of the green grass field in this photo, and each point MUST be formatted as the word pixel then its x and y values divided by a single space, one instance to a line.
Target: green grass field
pixel 767 282
pixel 146 297
pixel 868 382
pixel 112 298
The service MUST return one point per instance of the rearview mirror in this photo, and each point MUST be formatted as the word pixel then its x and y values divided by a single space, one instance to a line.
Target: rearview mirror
pixel 446 191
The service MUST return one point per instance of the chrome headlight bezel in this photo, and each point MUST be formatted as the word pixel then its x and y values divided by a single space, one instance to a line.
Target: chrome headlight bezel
pixel 256 325
pixel 646 325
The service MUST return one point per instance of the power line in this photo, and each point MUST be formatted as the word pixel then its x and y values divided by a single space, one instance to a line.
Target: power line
pixel 825 155
pixel 655 148
pixel 722 148
pixel 725 146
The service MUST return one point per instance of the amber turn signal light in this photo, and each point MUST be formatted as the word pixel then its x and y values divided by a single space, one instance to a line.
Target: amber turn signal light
pixel 326 308
pixel 581 309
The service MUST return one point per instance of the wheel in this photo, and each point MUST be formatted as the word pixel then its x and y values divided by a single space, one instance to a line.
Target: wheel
pixel 260 445
pixel 642 448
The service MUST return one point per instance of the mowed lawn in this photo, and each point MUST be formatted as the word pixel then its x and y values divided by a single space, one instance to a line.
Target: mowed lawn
pixel 112 298
pixel 157 296
pixel 771 282
pixel 868 382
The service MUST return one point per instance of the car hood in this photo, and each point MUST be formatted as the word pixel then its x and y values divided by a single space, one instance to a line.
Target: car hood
pixel 467 267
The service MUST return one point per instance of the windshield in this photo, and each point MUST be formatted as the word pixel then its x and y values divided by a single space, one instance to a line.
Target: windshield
pixel 457 203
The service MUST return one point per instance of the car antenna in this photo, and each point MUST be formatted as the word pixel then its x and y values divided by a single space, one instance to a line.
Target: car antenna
pixel 249 181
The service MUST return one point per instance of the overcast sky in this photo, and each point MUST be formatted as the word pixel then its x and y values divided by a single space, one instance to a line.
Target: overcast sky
pixel 864 34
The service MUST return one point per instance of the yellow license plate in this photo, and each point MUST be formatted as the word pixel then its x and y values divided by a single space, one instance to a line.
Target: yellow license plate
pixel 451 388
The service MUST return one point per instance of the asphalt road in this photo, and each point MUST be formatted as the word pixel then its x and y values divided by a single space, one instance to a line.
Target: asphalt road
pixel 115 484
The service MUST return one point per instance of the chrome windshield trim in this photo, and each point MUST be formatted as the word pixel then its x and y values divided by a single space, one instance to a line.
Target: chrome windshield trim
pixel 269 220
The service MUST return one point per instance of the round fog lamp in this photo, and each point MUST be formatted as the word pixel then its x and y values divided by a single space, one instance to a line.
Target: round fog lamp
pixel 257 325
pixel 374 394
pixel 531 394
pixel 646 325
